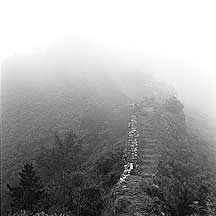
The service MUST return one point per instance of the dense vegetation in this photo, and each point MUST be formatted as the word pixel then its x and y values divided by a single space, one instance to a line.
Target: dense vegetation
pixel 75 173
pixel 67 183
pixel 185 182
pixel 76 177
pixel 34 109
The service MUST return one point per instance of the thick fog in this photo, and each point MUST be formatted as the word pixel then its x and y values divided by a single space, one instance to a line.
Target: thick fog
pixel 173 41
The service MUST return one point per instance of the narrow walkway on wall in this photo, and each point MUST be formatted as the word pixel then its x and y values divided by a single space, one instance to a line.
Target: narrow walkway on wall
pixel 140 159
pixel 148 144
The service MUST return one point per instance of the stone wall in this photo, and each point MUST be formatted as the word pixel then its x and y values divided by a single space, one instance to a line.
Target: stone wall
pixel 141 160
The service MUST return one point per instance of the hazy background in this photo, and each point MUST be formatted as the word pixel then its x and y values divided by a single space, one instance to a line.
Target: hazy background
pixel 174 40
pixel 75 65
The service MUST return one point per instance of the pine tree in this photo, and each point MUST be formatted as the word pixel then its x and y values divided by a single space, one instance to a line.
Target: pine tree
pixel 29 194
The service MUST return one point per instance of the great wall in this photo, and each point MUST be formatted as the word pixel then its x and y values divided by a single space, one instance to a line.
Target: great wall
pixel 143 152
pixel 141 159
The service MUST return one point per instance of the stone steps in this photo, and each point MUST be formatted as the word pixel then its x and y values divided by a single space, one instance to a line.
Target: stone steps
pixel 147 152
pixel 146 123
pixel 149 163
pixel 145 130
pixel 150 146
pixel 148 159
pixel 151 157
pixel 147 140
pixel 146 115
pixel 145 118
pixel 142 128
pixel 141 150
pixel 147 175
pixel 150 169
pixel 149 108
pixel 149 135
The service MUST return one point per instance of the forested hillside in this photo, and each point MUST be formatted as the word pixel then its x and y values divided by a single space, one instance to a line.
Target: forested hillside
pixel 64 131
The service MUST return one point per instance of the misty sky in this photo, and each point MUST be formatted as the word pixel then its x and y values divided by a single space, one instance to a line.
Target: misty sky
pixel 175 40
